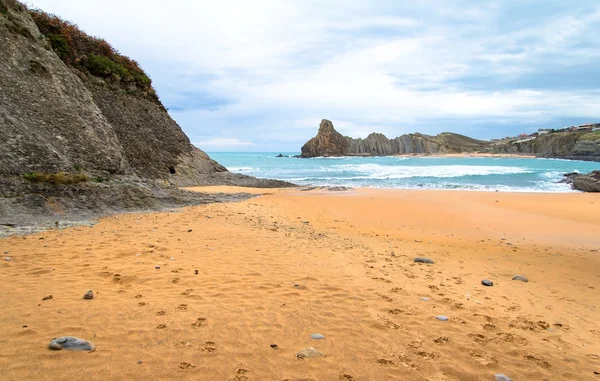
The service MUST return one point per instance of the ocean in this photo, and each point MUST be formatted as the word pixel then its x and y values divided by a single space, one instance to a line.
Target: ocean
pixel 468 173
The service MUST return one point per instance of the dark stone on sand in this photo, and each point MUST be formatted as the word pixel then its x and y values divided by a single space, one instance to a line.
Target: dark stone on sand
pixel 47 297
pixel 423 260
pixel 487 282
pixel 157 267
pixel 274 346
pixel 521 278
pixel 501 377
pixel 139 362
pixel 89 294
pixel 71 343
pixel 196 272
pixel 189 230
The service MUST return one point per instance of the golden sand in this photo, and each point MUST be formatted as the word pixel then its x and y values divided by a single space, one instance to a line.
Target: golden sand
pixel 277 268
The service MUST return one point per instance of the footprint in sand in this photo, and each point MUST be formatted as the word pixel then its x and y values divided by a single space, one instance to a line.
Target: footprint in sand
pixel 538 360
pixel 142 304
pixel 426 355
pixel 138 296
pixel 187 292
pixel 240 375
pixel 161 313
pixel 175 280
pixel 182 307
pixel 186 366
pixel 209 346
pixel 200 322
pixel 442 340
pixel 161 326
pixel 385 362
pixel 489 327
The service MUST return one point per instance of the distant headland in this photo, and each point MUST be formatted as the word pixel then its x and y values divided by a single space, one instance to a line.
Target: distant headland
pixel 573 142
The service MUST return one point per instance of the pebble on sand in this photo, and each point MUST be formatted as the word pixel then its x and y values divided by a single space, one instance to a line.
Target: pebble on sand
pixel 71 343
pixel 521 278
pixel 89 294
pixel 501 377
pixel 425 299
pixel 487 282
pixel 308 353
pixel 423 260
pixel 317 336
pixel 442 318
pixel 157 267
pixel 48 297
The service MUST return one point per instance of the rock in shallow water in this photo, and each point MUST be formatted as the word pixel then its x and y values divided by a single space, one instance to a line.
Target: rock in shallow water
pixel 423 260
pixel 487 282
pixel 71 343
pixel 521 278
pixel 308 352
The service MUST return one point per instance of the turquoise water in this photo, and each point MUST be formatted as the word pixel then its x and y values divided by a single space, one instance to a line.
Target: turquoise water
pixel 502 174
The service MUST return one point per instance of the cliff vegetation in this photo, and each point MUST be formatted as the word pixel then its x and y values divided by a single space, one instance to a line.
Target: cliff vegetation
pixel 92 55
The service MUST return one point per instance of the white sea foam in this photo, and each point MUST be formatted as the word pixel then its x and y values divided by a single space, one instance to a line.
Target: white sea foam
pixel 377 171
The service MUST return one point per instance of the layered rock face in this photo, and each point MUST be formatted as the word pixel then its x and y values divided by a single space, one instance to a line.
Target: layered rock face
pixel 565 145
pixel 329 142
pixel 64 109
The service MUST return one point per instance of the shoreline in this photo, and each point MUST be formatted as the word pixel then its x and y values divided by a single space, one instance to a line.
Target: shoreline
pixel 236 278
pixel 474 154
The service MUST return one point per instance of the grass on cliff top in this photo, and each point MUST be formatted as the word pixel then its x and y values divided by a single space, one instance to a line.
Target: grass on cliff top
pixel 591 136
pixel 60 178
pixel 92 54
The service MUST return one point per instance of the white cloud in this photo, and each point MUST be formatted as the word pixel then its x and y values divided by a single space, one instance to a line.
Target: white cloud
pixel 282 66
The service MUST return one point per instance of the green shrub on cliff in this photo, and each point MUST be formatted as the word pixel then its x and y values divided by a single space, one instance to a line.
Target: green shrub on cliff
pixel 92 55
pixel 103 67
pixel 3 9
pixel 59 45
pixel 60 178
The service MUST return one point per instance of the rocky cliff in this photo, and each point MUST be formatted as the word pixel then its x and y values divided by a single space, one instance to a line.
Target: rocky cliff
pixel 566 145
pixel 329 142
pixel 76 116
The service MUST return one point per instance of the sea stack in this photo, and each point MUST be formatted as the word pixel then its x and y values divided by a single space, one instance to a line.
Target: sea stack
pixel 328 142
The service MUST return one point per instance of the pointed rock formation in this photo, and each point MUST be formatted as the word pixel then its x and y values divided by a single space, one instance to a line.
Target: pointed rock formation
pixel 328 142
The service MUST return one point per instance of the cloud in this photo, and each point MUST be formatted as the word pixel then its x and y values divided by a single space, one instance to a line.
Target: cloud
pixel 222 143
pixel 268 71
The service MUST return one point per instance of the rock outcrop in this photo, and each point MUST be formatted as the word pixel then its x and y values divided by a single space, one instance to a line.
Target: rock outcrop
pixel 575 145
pixel 584 182
pixel 72 107
pixel 329 142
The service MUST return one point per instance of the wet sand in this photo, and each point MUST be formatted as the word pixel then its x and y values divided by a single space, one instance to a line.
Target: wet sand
pixel 277 268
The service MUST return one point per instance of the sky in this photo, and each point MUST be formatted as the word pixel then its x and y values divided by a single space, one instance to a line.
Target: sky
pixel 260 75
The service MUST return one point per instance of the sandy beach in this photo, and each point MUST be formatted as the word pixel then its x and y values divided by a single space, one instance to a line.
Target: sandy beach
pixel 237 278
